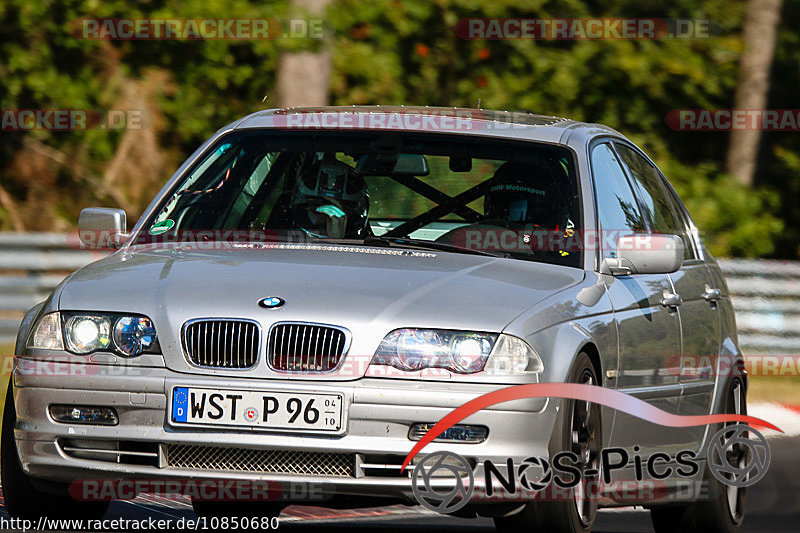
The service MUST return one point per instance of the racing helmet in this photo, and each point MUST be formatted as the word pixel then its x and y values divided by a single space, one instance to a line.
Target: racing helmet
pixel 330 200
pixel 526 195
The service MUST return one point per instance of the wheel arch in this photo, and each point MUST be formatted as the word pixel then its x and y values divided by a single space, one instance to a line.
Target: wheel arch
pixel 560 344
pixel 594 356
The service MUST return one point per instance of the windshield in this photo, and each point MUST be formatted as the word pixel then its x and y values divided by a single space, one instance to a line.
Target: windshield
pixel 459 194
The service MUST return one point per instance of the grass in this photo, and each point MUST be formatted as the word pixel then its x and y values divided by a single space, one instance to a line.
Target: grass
pixel 6 351
pixel 774 389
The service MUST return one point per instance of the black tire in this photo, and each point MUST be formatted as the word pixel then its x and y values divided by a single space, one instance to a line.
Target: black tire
pixel 22 499
pixel 713 515
pixel 221 509
pixel 563 515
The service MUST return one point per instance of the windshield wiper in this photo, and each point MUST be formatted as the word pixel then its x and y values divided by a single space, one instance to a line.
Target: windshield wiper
pixel 428 245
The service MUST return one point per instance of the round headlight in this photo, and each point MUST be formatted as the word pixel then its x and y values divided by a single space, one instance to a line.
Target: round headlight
pixel 86 334
pixel 417 349
pixel 470 353
pixel 133 335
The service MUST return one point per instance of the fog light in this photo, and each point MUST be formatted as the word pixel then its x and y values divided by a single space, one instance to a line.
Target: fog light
pixel 459 433
pixel 81 414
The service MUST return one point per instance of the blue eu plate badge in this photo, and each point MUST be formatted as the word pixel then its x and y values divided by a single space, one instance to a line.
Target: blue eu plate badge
pixel 180 404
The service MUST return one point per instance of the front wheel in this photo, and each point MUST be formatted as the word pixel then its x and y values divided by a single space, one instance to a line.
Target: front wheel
pixel 22 499
pixel 581 434
pixel 723 511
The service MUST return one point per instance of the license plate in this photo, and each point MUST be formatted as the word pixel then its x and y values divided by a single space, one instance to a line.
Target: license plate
pixel 261 409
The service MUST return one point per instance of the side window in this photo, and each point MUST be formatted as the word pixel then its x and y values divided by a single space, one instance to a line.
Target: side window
pixel 653 196
pixel 691 252
pixel 617 209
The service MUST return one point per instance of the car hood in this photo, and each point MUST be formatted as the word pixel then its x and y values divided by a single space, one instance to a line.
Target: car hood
pixel 370 291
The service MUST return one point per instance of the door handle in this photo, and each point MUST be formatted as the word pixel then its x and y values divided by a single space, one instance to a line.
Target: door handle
pixel 711 295
pixel 670 299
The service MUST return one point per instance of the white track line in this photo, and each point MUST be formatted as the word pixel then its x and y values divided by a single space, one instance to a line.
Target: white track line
pixel 783 417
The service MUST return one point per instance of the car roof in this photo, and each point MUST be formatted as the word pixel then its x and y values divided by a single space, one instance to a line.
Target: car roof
pixel 481 122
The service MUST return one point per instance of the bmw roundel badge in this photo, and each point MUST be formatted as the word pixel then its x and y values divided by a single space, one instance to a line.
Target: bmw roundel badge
pixel 271 302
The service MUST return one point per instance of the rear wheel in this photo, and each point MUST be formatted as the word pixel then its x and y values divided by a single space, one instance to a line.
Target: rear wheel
pixel 723 511
pixel 581 433
pixel 22 498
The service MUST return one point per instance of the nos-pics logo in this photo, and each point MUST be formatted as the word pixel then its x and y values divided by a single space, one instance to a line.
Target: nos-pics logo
pixel 443 481
pixel 448 472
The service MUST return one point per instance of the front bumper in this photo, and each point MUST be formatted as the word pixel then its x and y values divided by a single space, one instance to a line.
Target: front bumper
pixel 378 411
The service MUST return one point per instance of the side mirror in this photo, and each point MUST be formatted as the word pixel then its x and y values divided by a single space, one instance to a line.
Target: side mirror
pixel 101 227
pixel 645 254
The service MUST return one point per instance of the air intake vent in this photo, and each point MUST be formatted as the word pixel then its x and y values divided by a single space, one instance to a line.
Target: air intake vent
pixel 260 460
pixel 221 343
pixel 296 347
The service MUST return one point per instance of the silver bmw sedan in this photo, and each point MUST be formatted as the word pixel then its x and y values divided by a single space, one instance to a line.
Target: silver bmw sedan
pixel 315 288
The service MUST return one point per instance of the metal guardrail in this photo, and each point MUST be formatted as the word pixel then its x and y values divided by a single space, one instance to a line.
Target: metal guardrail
pixel 31 266
pixel 766 294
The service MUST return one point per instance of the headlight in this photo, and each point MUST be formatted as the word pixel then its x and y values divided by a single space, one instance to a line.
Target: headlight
pixel 415 349
pixel 134 334
pixel 457 351
pixel 84 333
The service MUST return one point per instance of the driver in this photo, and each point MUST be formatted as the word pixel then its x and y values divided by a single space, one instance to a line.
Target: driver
pixel 523 195
pixel 527 197
pixel 331 201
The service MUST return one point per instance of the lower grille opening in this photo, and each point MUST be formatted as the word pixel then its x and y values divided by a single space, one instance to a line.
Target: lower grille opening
pixel 120 452
pixel 388 465
pixel 260 460
pixel 384 466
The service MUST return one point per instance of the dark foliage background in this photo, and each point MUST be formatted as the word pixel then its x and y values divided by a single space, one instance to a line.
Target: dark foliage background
pixel 397 52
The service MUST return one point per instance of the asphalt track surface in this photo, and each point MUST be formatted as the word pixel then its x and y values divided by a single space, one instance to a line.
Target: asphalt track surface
pixel 773 505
